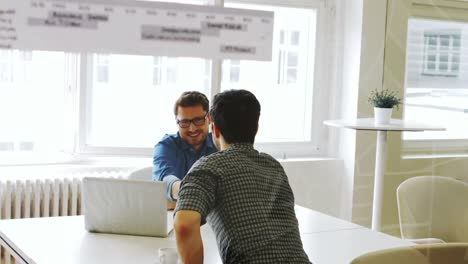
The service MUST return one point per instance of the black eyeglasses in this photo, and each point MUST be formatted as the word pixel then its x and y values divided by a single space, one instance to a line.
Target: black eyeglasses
pixel 198 121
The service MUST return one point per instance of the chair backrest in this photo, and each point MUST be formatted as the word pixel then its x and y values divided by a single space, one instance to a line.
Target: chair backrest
pixel 143 174
pixel 433 207
pixel 445 253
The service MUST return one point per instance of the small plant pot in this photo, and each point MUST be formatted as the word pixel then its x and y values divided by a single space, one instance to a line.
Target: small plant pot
pixel 382 115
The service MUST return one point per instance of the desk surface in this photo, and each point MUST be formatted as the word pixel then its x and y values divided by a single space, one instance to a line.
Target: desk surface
pixel 394 125
pixel 56 240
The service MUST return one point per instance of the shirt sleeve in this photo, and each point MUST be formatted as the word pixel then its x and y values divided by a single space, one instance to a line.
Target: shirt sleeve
pixel 165 165
pixel 197 192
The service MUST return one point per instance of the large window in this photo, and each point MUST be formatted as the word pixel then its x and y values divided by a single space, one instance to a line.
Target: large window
pixel 52 102
pixel 437 82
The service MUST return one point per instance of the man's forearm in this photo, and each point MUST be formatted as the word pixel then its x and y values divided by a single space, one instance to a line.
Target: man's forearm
pixel 170 180
pixel 188 237
pixel 190 249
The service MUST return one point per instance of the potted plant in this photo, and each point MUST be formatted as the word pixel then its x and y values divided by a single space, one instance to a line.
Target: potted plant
pixel 383 102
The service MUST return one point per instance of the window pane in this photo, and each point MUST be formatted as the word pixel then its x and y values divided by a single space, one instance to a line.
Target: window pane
pixel 443 67
pixel 4 72
pixel 274 81
pixel 455 58
pixel 234 74
pixel 433 41
pixel 280 67
pixel 431 58
pixel 26 55
pixel 443 58
pixel 171 70
pixel 102 59
pixel 295 38
pixel 129 111
pixel 102 69
pixel 442 97
pixel 26 146
pixel 292 76
pixel 156 76
pixel 32 109
pixel 292 59
pixel 7 146
pixel 102 73
pixel 444 42
pixel 456 41
pixel 431 66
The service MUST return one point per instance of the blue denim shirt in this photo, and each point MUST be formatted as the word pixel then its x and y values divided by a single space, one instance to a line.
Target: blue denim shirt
pixel 173 157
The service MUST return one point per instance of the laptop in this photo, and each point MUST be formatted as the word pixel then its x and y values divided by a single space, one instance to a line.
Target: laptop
pixel 126 207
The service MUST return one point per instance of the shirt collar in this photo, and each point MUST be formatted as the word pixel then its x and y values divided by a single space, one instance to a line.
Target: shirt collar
pixel 242 145
pixel 183 143
pixel 209 142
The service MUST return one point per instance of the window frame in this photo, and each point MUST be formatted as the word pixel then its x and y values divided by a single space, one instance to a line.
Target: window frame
pixel 451 52
pixel 316 147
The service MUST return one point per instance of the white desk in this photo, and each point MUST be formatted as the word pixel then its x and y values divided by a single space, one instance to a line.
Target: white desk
pixel 311 221
pixel 380 153
pixel 342 246
pixel 58 240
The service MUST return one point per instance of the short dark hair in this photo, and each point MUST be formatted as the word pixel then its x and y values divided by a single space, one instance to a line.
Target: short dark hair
pixel 191 98
pixel 236 114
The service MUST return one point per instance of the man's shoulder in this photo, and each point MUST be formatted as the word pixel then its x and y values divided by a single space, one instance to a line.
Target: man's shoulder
pixel 213 158
pixel 170 140
pixel 253 153
pixel 236 154
pixel 213 161
pixel 267 156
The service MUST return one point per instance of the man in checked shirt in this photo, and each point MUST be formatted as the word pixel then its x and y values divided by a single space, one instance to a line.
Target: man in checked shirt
pixel 243 194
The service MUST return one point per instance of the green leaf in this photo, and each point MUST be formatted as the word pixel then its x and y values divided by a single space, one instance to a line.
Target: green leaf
pixel 384 99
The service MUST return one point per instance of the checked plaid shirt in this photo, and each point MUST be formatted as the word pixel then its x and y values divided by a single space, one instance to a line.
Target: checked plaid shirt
pixel 246 198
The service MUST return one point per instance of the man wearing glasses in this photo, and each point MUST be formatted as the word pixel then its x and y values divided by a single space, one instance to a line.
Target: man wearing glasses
pixel 175 154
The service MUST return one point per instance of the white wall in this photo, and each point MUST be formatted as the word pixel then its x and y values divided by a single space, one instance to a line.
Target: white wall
pixel 316 183
pixel 347 43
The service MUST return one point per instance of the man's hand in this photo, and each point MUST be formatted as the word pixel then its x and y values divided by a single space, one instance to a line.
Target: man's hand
pixel 175 189
pixel 171 205
pixel 188 237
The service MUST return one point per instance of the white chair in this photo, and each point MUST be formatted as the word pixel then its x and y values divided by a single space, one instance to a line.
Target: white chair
pixel 448 253
pixel 433 209
pixel 146 174
pixel 143 174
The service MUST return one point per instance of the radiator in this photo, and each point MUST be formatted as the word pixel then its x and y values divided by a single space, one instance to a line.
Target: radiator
pixel 40 198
